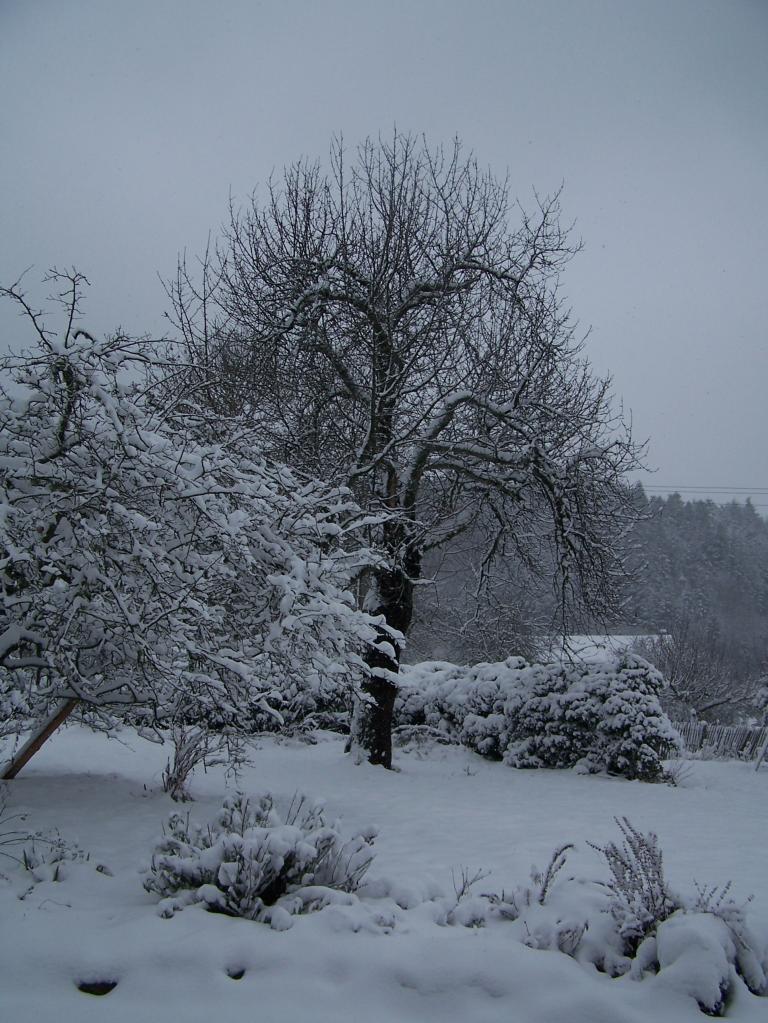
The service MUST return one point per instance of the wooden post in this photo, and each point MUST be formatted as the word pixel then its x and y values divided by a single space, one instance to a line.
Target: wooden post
pixel 36 740
pixel 762 754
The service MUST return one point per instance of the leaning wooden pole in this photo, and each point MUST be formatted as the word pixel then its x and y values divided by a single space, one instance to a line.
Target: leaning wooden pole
pixel 36 740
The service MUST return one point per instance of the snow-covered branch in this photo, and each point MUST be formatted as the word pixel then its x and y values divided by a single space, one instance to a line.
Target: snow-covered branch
pixel 150 559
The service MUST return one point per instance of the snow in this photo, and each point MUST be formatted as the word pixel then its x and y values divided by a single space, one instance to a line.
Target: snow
pixel 591 647
pixel 382 956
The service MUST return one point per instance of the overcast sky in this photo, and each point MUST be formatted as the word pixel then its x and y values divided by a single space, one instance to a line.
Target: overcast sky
pixel 125 124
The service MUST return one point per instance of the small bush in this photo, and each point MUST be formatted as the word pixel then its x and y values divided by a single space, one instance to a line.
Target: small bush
pixel 46 857
pixel 640 896
pixel 253 863
pixel 10 834
pixel 194 745
pixel 696 945
pixel 720 903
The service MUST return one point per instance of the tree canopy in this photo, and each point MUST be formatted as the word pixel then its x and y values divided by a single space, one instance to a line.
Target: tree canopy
pixel 387 326
pixel 150 556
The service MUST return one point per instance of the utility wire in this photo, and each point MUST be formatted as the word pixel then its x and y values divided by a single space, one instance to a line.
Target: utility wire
pixel 702 491
pixel 702 487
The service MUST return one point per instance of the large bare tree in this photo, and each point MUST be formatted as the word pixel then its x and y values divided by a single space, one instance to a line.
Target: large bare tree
pixel 386 325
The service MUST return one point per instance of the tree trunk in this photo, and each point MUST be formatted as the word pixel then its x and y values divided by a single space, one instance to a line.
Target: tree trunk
pixel 43 731
pixel 374 732
pixel 394 600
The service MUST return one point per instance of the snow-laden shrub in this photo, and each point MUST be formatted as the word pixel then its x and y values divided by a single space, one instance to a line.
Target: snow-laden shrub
pixel 465 704
pixel 252 862
pixel 719 902
pixel 693 953
pixel 701 953
pixel 193 745
pixel 597 715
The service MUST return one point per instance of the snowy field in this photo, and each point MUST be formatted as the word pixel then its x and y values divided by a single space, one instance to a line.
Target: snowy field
pixel 384 957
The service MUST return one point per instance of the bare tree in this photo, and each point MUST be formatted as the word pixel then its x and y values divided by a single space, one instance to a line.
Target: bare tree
pixel 385 326
pixel 707 674
pixel 467 612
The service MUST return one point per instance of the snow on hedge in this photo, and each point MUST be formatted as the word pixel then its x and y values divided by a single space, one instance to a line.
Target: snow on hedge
pixel 593 715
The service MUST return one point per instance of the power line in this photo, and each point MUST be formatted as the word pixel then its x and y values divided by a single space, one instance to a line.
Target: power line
pixel 714 488
pixel 716 498
pixel 693 491
pixel 719 503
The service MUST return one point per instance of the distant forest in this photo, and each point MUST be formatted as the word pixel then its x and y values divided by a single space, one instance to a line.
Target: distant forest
pixel 702 560
pixel 698 583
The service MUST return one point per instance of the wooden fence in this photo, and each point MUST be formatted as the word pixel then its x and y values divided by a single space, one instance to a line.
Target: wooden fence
pixel 726 741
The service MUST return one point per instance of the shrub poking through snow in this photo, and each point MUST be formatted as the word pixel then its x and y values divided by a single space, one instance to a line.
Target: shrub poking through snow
pixel 640 896
pixel 193 745
pixel 10 833
pixel 697 945
pixel 469 910
pixel 44 855
pixel 720 903
pixel 254 863
pixel 592 715
pixel 537 923
pixel 545 879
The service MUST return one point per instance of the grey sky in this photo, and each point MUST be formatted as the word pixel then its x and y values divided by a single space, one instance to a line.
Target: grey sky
pixel 125 124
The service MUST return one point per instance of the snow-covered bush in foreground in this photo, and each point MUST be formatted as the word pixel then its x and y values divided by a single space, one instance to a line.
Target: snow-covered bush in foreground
pixel 253 863
pixel 595 715
pixel 632 925
pixel 640 897
pixel 149 557
pixel 699 944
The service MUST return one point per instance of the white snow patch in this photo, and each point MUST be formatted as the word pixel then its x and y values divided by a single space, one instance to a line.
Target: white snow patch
pixel 382 957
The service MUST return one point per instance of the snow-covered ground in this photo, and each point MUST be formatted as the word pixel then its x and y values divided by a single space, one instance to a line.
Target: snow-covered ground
pixel 381 959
